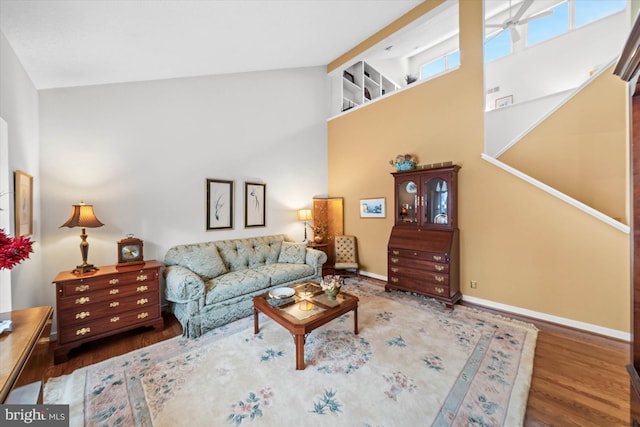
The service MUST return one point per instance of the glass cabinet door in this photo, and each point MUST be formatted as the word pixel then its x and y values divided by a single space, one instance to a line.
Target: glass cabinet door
pixel 407 202
pixel 436 203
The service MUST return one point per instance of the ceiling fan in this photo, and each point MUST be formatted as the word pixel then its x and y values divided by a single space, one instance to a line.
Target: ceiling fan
pixel 513 21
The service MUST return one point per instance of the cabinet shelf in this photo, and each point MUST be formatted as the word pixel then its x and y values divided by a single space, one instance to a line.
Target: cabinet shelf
pixel 361 83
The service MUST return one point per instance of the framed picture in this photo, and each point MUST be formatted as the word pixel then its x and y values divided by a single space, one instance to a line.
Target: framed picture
pixel 372 208
pixel 255 200
pixel 219 204
pixel 347 75
pixel 504 101
pixel 24 203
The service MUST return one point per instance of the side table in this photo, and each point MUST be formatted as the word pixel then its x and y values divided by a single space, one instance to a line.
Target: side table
pixel 28 325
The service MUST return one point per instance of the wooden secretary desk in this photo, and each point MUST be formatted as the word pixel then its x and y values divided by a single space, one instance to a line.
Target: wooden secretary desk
pixel 424 246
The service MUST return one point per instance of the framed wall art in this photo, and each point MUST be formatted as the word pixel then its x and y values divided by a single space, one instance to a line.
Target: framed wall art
pixel 24 203
pixel 219 204
pixel 255 200
pixel 372 208
pixel 504 101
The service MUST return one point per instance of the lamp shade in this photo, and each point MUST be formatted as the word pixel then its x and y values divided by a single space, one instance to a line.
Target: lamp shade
pixel 82 216
pixel 304 214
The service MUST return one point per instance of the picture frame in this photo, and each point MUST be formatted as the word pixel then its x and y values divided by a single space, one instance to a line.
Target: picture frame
pixel 23 187
pixel 255 201
pixel 219 204
pixel 373 208
pixel 347 75
pixel 504 101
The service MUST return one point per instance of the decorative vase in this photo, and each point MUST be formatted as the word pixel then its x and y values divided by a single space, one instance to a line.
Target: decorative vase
pixel 406 165
pixel 318 238
pixel 331 293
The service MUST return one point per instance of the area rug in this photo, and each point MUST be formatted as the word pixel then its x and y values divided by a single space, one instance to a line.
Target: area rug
pixel 414 363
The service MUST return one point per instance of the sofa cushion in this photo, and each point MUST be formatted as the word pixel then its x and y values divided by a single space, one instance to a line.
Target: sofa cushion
pixel 283 273
pixel 293 253
pixel 234 284
pixel 201 258
pixel 235 258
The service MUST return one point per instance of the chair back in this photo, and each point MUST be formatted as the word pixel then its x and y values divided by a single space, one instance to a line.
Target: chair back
pixel 345 249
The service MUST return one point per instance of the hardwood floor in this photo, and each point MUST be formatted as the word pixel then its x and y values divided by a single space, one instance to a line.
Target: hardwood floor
pixel 579 379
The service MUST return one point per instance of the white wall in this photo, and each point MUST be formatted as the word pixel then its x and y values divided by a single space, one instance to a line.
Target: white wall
pixel 557 65
pixel 140 153
pixel 19 108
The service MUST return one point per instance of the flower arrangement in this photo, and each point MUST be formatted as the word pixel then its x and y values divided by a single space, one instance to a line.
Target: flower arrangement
pixel 404 162
pixel 331 285
pixel 13 250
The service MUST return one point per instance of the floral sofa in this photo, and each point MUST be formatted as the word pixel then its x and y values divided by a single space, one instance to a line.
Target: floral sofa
pixel 213 283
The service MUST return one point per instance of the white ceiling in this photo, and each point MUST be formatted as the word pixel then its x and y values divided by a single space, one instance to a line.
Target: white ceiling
pixel 64 43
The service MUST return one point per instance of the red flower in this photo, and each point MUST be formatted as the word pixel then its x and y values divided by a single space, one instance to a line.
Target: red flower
pixel 13 250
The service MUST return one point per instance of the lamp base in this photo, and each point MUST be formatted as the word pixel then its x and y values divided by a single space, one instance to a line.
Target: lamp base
pixel 84 268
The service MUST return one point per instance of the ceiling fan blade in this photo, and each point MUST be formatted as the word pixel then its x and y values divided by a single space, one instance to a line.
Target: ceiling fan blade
pixel 526 4
pixel 515 36
pixel 536 16
pixel 493 36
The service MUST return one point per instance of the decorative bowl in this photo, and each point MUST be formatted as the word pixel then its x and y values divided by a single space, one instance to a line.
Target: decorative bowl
pixel 405 165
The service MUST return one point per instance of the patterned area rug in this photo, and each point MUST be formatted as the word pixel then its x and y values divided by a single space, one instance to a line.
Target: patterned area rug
pixel 413 363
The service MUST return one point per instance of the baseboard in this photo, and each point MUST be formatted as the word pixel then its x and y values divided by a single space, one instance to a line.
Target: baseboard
pixel 562 321
pixel 613 333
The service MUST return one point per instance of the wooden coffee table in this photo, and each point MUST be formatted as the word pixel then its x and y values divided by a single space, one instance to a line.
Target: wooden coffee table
pixel 308 309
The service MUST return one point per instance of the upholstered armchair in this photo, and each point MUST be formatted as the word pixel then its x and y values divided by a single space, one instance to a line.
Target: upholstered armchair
pixel 346 253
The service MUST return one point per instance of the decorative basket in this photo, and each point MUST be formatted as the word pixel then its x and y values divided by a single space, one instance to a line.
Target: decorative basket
pixel 406 165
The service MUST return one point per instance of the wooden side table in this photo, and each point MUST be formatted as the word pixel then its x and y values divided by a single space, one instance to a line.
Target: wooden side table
pixel 324 247
pixel 28 326
pixel 105 302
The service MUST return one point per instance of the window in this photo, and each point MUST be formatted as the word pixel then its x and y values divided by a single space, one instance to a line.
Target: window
pixel 587 11
pixel 497 46
pixel 550 26
pixel 440 65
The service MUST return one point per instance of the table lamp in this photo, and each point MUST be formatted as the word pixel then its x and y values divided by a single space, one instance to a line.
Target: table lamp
pixel 82 216
pixel 305 215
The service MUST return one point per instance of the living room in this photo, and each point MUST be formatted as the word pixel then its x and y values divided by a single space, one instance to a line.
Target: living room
pixel 140 153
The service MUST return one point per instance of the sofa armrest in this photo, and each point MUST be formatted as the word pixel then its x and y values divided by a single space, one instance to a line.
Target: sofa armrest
pixel 182 284
pixel 315 258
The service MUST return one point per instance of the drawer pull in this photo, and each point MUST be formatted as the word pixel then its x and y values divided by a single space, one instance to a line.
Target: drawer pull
pixel 439 290
pixel 394 260
pixel 439 278
pixel 114 319
pixel 437 257
pixel 439 267
pixel 141 278
pixel 395 269
pixel 143 315
pixel 114 281
pixel 82 315
pixel 142 301
pixel 415 254
pixel 114 304
pixel 82 288
pixel 114 291
pixel 396 252
pixel 82 300
pixel 394 279
pixel 142 288
pixel 83 331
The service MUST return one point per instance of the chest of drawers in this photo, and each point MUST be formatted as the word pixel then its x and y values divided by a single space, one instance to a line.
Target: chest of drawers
pixel 426 262
pixel 105 302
